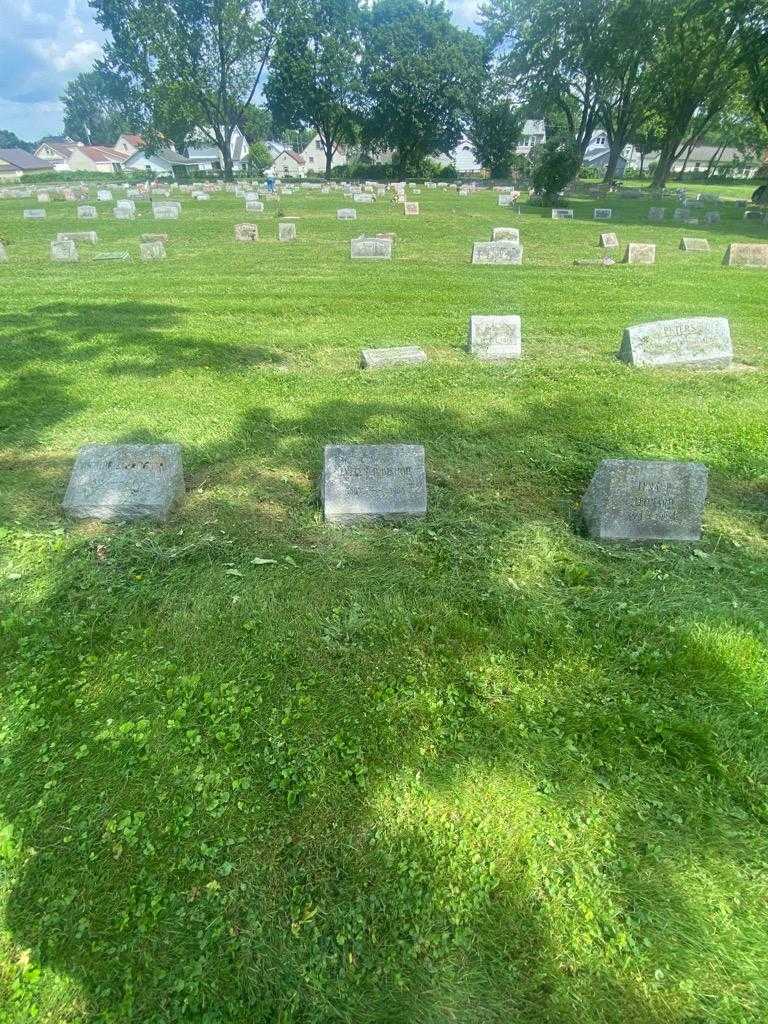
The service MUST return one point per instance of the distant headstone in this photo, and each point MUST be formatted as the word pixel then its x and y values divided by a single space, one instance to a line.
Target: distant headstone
pixel 365 483
pixel 495 337
pixel 507 200
pixel 364 248
pixel 346 214
pixel 694 245
pixel 698 341
pixel 254 206
pixel 644 500
pixel 155 238
pixel 657 213
pixel 165 211
pixel 501 253
pixel 64 252
pixel 744 254
pixel 152 251
pixel 562 214
pixel 376 358
pixel 609 240
pixel 246 233
pixel 411 209
pixel 713 217
pixel 125 481
pixel 43 197
pixel 34 214
pixel 640 252
pixel 506 235
pixel 286 231
pixel 3 254
pixel 87 213
pixel 126 204
pixel 77 236
pixel 104 195
pixel 124 212
pixel 602 214
pixel 120 255
pixel 753 215
pixel 363 197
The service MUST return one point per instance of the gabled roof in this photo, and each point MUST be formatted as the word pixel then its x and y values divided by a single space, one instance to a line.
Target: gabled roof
pixel 294 156
pixel 134 140
pixel 62 148
pixel 534 128
pixel 101 153
pixel 170 156
pixel 23 160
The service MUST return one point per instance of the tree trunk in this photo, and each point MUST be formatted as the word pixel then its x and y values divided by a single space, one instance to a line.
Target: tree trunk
pixel 613 160
pixel 685 161
pixel 329 151
pixel 666 159
pixel 642 164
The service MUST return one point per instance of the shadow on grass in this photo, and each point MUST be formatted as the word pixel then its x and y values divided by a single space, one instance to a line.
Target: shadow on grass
pixel 276 795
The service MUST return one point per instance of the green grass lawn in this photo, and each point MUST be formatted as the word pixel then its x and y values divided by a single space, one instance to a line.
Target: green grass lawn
pixel 473 769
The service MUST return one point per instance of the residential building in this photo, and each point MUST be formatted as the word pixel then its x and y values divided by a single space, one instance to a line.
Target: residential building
pixel 15 162
pixel 101 159
pixel 464 159
pixel 56 153
pixel 727 159
pixel 314 156
pixel 534 133
pixel 598 153
pixel 163 163
pixel 288 165
pixel 129 144
pixel 207 155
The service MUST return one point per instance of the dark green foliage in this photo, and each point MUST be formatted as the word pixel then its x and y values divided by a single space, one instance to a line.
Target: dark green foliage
pixel 556 165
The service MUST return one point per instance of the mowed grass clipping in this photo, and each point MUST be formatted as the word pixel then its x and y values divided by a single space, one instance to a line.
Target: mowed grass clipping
pixel 475 769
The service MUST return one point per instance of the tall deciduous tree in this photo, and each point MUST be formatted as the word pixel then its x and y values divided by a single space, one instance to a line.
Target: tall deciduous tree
pixel 95 107
pixel 493 128
pixel 315 76
pixel 419 70
pixel 752 16
pixel 212 52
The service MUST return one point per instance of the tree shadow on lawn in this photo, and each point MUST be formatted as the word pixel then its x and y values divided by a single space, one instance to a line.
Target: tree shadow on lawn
pixel 289 827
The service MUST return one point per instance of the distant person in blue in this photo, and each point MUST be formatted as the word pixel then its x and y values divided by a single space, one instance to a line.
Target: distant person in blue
pixel 270 184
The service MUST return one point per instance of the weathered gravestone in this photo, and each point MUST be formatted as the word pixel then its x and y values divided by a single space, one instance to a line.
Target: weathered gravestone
pixel 698 341
pixel 562 214
pixel 753 215
pixel 155 238
pixel 376 358
pixel 43 197
pixel 503 253
pixel 609 240
pixel 713 217
pixel 744 254
pixel 640 252
pixel 657 213
pixel 104 195
pixel 346 214
pixel 64 251
pixel 3 254
pixel 411 209
pixel 34 214
pixel 506 235
pixel 152 251
pixel 286 231
pixel 364 483
pixel 124 212
pixel 254 206
pixel 507 200
pixel 120 255
pixel 165 211
pixel 87 213
pixel 363 197
pixel 694 245
pixel 636 500
pixel 246 233
pixel 602 214
pixel 495 337
pixel 125 481
pixel 77 236
pixel 364 248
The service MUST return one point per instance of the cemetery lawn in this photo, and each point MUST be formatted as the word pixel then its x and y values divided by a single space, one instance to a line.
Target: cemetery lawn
pixel 475 769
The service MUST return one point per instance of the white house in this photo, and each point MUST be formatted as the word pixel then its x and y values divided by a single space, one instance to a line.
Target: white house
pixel 464 159
pixel 57 153
pixel 598 153
pixel 314 156
pixel 534 134
pixel 161 163
pixel 129 144
pixel 207 155
pixel 288 165
pixel 102 159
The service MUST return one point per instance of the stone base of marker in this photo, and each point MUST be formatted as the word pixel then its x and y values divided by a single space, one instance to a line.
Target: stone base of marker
pixel 645 501
pixel 155 238
pixel 640 252
pixel 346 214
pixel 64 252
pixel 246 233
pixel 745 254
pixel 697 341
pixel 506 235
pixel 377 358
pixel 609 240
pixel 120 256
pixel 694 245
pixel 495 338
pixel 77 236
pixel 370 248
pixel 286 231
pixel 152 251
pixel 373 483
pixel 501 253
pixel 125 482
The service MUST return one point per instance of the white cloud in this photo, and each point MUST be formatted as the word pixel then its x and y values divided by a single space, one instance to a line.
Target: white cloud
pixel 78 57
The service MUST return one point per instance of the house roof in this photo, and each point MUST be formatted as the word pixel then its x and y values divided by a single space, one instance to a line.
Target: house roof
pixel 170 156
pixel 23 160
pixel 294 156
pixel 134 140
pixel 204 147
pixel 100 154
pixel 534 128
pixel 62 148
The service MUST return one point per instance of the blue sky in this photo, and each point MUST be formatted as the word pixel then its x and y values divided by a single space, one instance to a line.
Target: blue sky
pixel 45 43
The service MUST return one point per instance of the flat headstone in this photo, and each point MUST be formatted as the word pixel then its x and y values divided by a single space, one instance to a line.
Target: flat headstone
pixel 346 214
pixel 697 341
pixel 636 500
pixel 745 254
pixel 246 233
pixel 506 235
pixel 64 251
pixel 125 481
pixel 657 213
pixel 376 358
pixel 609 240
pixel 77 236
pixel 152 251
pixel 495 337
pixel 286 231
pixel 87 213
pixel 602 214
pixel 562 214
pixel 34 214
pixel 119 255
pixel 753 215
pixel 503 253
pixel 640 252
pixel 694 245
pixel 364 248
pixel 411 209
pixel 365 483
pixel 165 211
